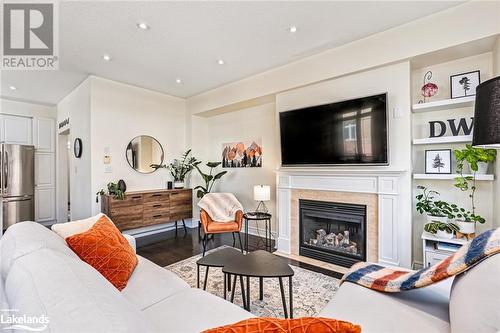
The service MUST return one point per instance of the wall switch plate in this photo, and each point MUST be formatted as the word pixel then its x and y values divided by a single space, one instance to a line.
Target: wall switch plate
pixel 396 113
pixel 106 150
pixel 108 169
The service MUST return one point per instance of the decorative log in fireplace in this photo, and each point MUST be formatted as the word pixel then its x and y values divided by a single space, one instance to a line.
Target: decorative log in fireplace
pixel 332 232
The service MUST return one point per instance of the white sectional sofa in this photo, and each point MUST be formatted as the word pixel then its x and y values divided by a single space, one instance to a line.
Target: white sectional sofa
pixel 41 275
pixel 468 303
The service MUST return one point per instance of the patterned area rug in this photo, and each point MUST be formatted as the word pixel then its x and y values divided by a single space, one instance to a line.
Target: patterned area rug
pixel 311 290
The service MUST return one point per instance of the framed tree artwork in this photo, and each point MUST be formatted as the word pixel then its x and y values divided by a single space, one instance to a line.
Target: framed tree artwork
pixel 438 161
pixel 464 85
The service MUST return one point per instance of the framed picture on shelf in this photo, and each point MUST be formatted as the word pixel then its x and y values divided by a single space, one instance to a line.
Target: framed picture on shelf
pixel 438 161
pixel 464 85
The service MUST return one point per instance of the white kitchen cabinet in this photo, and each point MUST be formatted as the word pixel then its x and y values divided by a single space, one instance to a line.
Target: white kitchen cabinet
pixel 44 169
pixel 16 129
pixel 45 205
pixel 44 134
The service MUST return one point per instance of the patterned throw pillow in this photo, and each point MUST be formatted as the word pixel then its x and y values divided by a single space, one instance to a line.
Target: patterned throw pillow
pixel 299 325
pixel 104 248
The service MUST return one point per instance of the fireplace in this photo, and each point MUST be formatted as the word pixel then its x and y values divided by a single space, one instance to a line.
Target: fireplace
pixel 332 232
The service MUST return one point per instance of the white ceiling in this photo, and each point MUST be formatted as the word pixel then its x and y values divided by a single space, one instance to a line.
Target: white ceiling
pixel 187 38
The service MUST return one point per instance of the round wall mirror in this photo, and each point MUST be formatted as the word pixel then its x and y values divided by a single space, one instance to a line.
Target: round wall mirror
pixel 142 151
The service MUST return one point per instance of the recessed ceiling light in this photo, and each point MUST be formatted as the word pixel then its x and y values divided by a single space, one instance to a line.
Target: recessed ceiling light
pixel 221 62
pixel 178 80
pixel 143 26
pixel 106 57
pixel 293 28
pixel 12 88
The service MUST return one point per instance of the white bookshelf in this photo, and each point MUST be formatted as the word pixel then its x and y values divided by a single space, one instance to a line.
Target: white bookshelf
pixel 446 104
pixel 443 140
pixel 452 176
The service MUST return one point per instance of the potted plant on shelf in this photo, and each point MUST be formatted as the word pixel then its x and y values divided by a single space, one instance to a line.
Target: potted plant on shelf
pixel 478 160
pixel 436 210
pixel 466 220
pixel 441 229
pixel 208 178
pixel 180 168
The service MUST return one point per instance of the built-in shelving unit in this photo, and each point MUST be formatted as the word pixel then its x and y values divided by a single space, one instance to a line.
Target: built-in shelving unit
pixel 443 139
pixel 446 104
pixel 450 176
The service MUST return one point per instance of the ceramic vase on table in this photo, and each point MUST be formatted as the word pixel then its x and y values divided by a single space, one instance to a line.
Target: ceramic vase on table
pixel 466 227
pixel 178 184
pixel 444 234
pixel 431 219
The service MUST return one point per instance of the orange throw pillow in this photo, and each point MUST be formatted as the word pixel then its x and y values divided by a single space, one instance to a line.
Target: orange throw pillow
pixel 299 325
pixel 104 248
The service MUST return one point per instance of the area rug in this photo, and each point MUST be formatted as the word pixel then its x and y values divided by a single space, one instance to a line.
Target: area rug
pixel 311 290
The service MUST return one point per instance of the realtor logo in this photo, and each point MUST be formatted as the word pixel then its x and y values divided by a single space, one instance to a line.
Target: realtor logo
pixel 29 36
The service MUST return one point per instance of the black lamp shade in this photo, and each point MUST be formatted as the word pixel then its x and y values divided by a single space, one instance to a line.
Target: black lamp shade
pixel 487 114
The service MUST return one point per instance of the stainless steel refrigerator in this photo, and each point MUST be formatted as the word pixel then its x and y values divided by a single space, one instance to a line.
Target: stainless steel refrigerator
pixel 17 178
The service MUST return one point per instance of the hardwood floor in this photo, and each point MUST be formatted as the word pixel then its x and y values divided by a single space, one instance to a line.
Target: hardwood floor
pixel 165 249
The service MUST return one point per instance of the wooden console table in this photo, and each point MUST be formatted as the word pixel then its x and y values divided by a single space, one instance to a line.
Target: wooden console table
pixel 146 208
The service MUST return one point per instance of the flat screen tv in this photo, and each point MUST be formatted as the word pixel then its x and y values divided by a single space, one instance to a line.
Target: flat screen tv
pixel 342 133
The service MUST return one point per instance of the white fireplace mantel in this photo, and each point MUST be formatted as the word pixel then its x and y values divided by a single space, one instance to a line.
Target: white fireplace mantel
pixel 384 182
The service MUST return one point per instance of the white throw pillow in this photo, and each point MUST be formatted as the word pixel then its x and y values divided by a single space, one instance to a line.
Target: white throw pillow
pixel 75 227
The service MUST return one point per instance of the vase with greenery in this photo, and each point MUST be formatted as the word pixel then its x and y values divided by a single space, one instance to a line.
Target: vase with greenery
pixel 209 178
pixel 436 210
pixel 441 229
pixel 180 168
pixel 113 189
pixel 478 160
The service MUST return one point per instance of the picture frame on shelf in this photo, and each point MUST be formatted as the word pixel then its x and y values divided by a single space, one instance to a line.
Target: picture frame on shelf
pixel 464 84
pixel 438 161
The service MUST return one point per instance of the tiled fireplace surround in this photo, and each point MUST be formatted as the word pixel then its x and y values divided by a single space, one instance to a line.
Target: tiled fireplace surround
pixel 379 191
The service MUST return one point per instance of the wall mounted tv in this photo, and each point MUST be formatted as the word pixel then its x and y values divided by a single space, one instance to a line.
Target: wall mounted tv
pixel 342 133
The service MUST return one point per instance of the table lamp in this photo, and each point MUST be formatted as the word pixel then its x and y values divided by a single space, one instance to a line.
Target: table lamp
pixel 261 193
pixel 487 115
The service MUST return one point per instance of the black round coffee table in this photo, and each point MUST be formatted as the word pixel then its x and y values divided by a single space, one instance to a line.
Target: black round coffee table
pixel 217 259
pixel 260 264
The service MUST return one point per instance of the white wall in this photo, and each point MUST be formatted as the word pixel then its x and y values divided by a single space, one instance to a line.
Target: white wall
pixel 247 124
pixel 76 107
pixel 120 112
pixel 106 115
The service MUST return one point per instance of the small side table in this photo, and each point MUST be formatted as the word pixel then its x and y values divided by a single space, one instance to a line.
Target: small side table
pixel 257 216
pixel 436 249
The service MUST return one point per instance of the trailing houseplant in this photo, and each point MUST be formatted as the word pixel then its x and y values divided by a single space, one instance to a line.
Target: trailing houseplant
pixel 436 210
pixel 441 229
pixel 209 178
pixel 478 159
pixel 180 168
